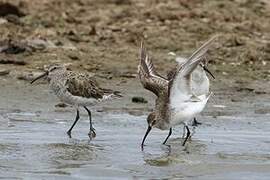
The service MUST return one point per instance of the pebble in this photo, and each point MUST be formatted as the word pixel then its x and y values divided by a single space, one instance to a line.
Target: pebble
pixel 137 99
pixel 4 72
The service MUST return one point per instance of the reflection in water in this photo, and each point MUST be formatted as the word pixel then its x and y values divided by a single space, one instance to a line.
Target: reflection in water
pixel 71 155
pixel 173 153
pixel 78 152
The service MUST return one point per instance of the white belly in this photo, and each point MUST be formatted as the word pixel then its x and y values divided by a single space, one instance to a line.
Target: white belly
pixel 76 100
pixel 63 94
pixel 183 112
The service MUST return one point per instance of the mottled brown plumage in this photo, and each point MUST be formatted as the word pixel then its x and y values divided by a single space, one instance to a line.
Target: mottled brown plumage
pixel 149 78
pixel 157 84
pixel 77 89
pixel 83 85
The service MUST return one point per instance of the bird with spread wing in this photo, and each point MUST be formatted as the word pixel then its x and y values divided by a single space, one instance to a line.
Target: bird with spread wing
pixel 181 96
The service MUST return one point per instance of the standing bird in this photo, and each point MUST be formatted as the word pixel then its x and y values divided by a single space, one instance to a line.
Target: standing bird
pixel 77 89
pixel 180 97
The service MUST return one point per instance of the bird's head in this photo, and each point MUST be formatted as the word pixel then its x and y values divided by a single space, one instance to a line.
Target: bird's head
pixel 50 71
pixel 56 67
pixel 151 119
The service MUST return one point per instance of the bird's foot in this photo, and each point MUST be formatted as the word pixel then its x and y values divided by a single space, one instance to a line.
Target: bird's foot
pixel 92 134
pixel 196 123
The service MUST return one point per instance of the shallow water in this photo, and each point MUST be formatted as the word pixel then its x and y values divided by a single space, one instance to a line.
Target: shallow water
pixel 33 143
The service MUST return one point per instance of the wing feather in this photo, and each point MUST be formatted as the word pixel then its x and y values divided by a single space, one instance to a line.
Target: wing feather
pixel 83 85
pixel 181 80
pixel 148 76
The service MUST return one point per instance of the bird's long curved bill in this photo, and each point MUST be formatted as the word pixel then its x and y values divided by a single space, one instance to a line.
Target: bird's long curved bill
pixel 209 72
pixel 146 134
pixel 40 76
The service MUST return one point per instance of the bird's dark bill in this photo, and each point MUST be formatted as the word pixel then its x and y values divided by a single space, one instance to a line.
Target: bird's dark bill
pixel 41 76
pixel 209 72
pixel 146 134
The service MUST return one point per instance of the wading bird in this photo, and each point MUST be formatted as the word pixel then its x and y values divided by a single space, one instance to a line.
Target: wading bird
pixel 181 96
pixel 77 89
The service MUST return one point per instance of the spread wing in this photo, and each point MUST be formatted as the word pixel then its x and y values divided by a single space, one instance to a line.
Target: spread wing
pixel 180 82
pixel 148 76
pixel 83 85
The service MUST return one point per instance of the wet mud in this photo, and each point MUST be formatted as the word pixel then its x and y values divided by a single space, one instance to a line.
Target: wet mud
pixel 233 140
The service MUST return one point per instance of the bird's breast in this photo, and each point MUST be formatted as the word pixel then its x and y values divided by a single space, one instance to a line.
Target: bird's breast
pixel 185 111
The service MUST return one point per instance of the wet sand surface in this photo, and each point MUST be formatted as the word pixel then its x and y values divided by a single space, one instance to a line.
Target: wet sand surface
pixel 232 143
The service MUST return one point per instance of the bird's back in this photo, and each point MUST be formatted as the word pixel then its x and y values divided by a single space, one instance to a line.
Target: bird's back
pixel 79 89
pixel 83 85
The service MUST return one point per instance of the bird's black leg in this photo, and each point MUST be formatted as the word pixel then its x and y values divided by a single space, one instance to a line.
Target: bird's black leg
pixel 188 134
pixel 92 132
pixel 184 132
pixel 195 122
pixel 170 133
pixel 76 120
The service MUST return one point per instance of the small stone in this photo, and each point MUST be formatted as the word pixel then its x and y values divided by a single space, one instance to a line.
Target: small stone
pixel 100 110
pixel 128 75
pixel 73 57
pixel 260 92
pixel 61 105
pixel 39 44
pixel 12 47
pixel 262 111
pixel 247 89
pixel 4 72
pixel 92 31
pixel 137 99
pixel 12 61
pixel 8 8
pixel 58 43
pixel 13 19
pixel 235 100
pixel 3 21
